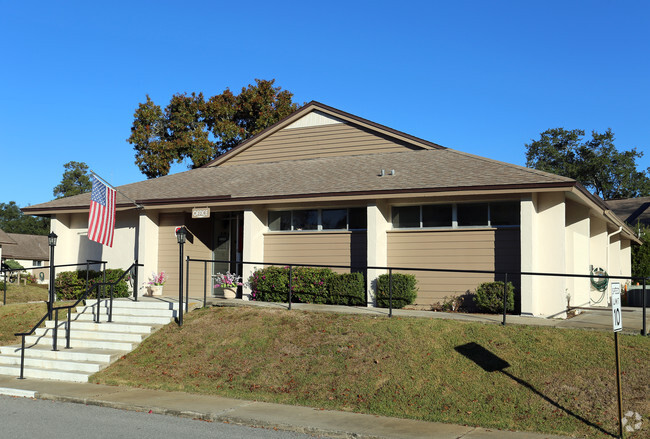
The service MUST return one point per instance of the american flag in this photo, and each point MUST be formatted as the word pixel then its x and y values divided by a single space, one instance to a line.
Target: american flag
pixel 101 221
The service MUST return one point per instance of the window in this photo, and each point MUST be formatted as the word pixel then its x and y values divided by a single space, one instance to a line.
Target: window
pixel 406 216
pixel 474 214
pixel 333 219
pixel 318 219
pixel 37 263
pixel 437 215
pixel 305 220
pixel 495 214
pixel 504 214
pixel 280 220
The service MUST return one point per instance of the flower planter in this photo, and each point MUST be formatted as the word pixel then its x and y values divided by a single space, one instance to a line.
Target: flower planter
pixel 155 290
pixel 230 293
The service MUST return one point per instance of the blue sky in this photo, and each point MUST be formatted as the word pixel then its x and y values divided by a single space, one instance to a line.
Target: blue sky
pixel 484 77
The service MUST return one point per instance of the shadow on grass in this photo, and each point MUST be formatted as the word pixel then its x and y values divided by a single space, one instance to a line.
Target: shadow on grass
pixel 490 362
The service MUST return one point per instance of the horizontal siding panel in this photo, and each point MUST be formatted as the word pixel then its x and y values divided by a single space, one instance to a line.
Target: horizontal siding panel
pixel 317 141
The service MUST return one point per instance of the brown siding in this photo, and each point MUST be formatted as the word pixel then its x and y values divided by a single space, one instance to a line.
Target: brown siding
pixel 460 249
pixel 168 251
pixel 321 248
pixel 317 141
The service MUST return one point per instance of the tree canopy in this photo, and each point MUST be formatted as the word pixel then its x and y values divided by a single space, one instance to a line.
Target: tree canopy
pixel 75 180
pixel 192 127
pixel 641 253
pixel 596 163
pixel 12 220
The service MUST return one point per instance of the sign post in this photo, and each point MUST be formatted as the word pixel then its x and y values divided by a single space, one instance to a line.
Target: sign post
pixel 618 327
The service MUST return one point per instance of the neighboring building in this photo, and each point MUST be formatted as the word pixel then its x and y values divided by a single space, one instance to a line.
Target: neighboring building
pixel 326 187
pixel 5 240
pixel 632 210
pixel 30 251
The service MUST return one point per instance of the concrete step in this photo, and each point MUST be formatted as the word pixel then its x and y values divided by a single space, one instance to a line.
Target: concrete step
pixel 137 320
pixel 150 312
pixel 48 374
pixel 140 304
pixel 91 335
pixel 105 327
pixel 40 363
pixel 46 340
pixel 76 354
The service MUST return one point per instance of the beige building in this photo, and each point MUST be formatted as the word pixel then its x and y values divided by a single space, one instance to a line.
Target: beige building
pixel 326 187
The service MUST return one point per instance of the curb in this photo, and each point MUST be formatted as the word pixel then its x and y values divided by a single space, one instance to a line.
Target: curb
pixel 202 416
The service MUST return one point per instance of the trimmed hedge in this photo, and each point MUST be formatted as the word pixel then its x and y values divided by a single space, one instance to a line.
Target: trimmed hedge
pixel 309 285
pixel 404 290
pixel 489 297
pixel 70 285
pixel 347 289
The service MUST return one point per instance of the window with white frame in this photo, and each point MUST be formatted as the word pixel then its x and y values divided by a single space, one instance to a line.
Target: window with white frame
pixel 457 215
pixel 318 219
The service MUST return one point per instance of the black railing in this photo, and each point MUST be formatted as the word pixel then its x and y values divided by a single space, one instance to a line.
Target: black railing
pixel 99 286
pixel 495 273
pixel 88 263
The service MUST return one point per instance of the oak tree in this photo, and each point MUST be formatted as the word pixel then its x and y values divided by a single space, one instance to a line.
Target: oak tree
pixel 199 129
pixel 596 163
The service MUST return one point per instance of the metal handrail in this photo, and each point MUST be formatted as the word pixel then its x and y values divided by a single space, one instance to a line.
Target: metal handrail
pixel 84 296
pixel 390 270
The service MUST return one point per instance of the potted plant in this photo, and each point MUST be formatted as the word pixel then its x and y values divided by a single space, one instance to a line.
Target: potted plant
pixel 229 282
pixel 156 283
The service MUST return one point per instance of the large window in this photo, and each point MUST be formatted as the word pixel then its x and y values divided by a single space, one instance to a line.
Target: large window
pixel 318 219
pixel 494 214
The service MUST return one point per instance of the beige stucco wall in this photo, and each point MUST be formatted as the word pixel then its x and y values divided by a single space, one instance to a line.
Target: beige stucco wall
pixel 598 256
pixel 378 218
pixel 577 252
pixel 73 245
pixel 543 250
pixel 253 245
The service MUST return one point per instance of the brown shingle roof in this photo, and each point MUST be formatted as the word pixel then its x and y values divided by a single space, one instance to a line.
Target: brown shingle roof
pixel 632 210
pixel 27 247
pixel 5 238
pixel 424 170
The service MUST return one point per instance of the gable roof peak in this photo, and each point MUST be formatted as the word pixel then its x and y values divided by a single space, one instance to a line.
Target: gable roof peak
pixel 324 114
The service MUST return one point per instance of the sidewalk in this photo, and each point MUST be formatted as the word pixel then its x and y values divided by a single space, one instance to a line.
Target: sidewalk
pixel 250 413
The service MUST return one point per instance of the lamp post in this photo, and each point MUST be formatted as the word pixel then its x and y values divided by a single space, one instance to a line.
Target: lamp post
pixel 181 235
pixel 51 239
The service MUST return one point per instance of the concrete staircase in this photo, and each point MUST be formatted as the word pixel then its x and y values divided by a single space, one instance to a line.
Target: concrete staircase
pixel 93 345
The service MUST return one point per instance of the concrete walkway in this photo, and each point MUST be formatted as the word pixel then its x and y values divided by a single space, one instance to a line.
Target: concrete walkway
pixel 592 319
pixel 303 419
pixel 319 422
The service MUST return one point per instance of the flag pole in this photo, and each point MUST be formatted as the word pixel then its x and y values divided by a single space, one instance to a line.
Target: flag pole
pixel 139 206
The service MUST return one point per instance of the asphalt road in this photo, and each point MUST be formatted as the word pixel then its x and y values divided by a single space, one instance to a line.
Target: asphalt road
pixel 36 419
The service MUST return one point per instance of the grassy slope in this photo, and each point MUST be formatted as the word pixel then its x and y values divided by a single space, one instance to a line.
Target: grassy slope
pixel 558 381
pixel 23 293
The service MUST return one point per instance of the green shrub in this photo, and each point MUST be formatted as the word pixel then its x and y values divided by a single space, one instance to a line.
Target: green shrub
pixel 404 290
pixel 308 285
pixel 347 289
pixel 71 285
pixel 489 297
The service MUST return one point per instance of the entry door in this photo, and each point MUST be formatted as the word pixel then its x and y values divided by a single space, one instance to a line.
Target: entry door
pixel 227 245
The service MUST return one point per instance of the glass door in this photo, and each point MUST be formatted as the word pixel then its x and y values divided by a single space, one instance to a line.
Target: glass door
pixel 227 245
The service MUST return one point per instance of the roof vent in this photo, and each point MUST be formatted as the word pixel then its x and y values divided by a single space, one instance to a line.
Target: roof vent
pixel 382 173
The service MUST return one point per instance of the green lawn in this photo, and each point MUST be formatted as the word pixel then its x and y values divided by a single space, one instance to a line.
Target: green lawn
pixel 23 293
pixel 553 381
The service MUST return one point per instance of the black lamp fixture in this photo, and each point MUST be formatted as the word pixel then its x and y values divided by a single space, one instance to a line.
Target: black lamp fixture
pixel 181 235
pixel 51 239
